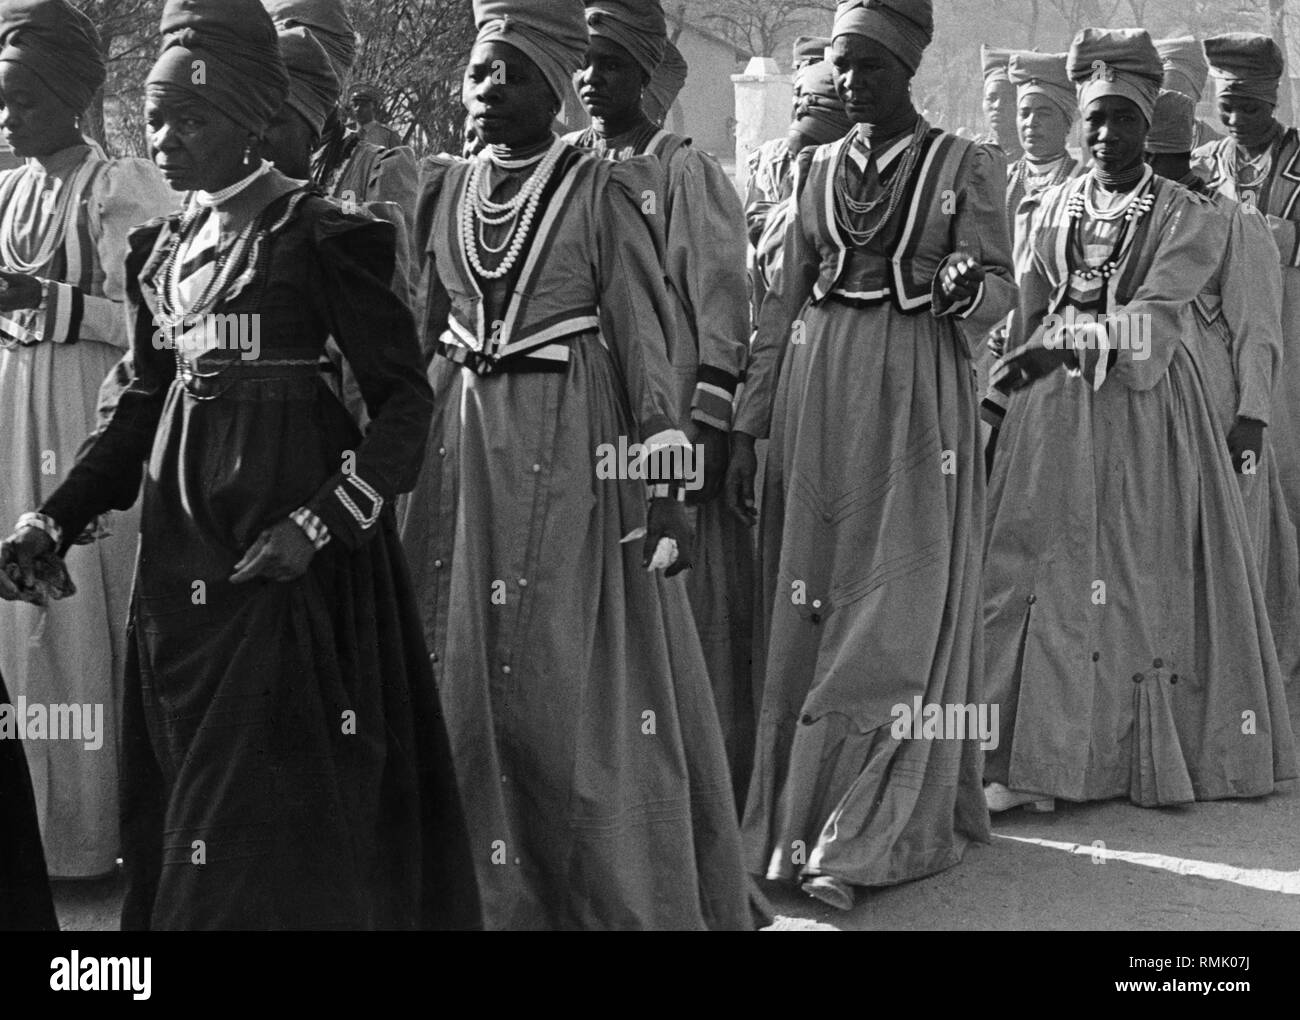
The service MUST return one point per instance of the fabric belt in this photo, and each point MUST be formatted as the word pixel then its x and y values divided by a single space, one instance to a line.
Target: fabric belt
pixel 548 358
pixel 209 379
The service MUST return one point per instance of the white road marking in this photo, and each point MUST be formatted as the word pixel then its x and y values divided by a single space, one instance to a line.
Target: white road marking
pixel 1256 878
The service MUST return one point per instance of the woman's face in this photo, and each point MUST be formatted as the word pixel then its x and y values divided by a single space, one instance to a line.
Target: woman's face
pixel 33 121
pixel 610 83
pixel 999 106
pixel 508 100
pixel 1115 132
pixel 289 143
pixel 195 145
pixel 1042 126
pixel 872 82
pixel 1249 121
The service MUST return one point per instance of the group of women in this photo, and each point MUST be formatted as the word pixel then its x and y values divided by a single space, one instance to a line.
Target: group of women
pixel 398 655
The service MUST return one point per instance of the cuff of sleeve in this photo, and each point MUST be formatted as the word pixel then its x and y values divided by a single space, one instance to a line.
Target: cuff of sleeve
pixel 312 526
pixel 65 307
pixel 42 522
pixel 993 409
pixel 942 306
pixel 667 453
pixel 715 393
pixel 349 508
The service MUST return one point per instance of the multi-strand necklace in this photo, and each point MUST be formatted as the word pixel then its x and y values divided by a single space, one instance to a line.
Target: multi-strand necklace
pixel 851 215
pixel 478 211
pixel 1058 172
pixel 1138 204
pixel 67 194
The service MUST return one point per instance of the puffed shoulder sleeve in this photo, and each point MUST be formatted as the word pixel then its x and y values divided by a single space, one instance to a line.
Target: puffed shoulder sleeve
pixel 705 264
pixel 375 331
pixel 635 315
pixel 793 277
pixel 110 466
pixel 125 194
pixel 979 229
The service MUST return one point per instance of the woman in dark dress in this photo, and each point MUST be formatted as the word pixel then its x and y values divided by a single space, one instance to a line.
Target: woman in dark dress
pixel 25 903
pixel 286 765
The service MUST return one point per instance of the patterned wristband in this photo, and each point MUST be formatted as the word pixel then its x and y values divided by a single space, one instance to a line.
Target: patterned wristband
pixel 41 522
pixel 313 527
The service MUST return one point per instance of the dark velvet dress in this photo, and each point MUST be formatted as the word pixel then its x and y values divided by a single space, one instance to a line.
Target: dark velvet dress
pixel 285 759
pixel 25 903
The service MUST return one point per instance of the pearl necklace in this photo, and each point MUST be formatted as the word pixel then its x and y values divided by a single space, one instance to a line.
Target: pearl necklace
pixel 521 209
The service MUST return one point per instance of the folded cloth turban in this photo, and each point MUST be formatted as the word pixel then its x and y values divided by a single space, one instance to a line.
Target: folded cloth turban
pixel 57 43
pixel 636 25
pixel 327 20
pixel 904 27
pixel 819 113
pixel 313 85
pixel 1245 64
pixel 1185 66
pixel 1173 125
pixel 809 49
pixel 226 53
pixel 1044 74
pixel 552 34
pixel 665 84
pixel 1116 62
pixel 995 64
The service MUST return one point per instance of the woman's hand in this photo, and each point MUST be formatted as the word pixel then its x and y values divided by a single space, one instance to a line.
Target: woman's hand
pixel 282 552
pixel 961 279
pixel 18 555
pixel 667 520
pixel 19 291
pixel 713 464
pixel 739 487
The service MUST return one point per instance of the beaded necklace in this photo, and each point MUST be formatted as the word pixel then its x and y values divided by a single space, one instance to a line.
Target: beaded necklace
pixel 851 215
pixel 68 195
pixel 1080 205
pixel 478 211
pixel 1058 175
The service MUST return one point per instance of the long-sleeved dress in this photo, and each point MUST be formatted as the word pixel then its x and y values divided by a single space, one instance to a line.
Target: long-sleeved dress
pixel 52 362
pixel 704 265
pixel 25 903
pixel 587 744
pixel 1240 312
pixel 285 762
pixel 1277 196
pixel 872 521
pixel 1128 643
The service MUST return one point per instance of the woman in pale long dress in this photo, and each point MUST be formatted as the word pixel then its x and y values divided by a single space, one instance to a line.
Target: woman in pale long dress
pixel 64 218
pixel 1258 163
pixel 587 747
pixel 862 371
pixel 1240 313
pixel 704 265
pixel 1128 644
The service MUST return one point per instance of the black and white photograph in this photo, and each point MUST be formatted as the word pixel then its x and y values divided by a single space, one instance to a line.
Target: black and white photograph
pixel 651 465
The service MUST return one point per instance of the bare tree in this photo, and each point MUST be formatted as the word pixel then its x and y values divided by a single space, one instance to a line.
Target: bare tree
pixel 759 26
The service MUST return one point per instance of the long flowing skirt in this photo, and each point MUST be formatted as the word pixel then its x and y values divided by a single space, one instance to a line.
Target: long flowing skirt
pixel 73 651
pixel 870 579
pixel 25 903
pixel 1128 641
pixel 581 718
pixel 285 765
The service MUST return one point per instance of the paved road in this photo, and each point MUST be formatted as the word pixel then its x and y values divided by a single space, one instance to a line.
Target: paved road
pixel 1012 884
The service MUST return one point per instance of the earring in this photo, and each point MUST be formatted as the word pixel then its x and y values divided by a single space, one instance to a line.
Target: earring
pixel 248 151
